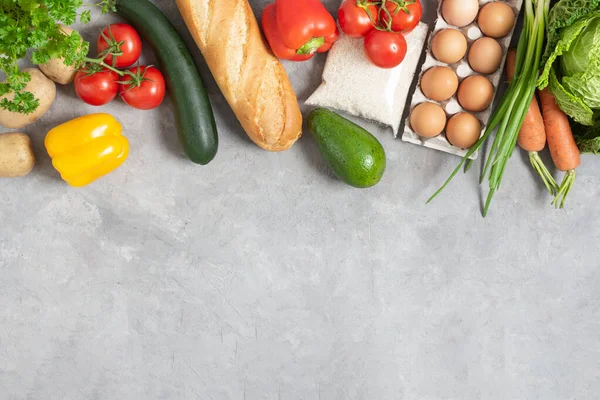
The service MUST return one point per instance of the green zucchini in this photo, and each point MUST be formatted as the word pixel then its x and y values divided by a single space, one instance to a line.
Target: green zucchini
pixel 195 119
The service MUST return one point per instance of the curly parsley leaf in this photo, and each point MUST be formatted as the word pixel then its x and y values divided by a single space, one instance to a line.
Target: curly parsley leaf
pixel 85 16
pixel 36 25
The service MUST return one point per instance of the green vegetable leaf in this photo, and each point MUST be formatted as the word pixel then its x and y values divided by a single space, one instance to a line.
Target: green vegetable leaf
pixel 572 105
pixel 564 14
pixel 588 138
pixel 85 17
pixel 589 146
pixel 34 26
pixel 18 80
pixel 567 38
pixel 22 102
pixel 108 6
pixel 585 86
pixel 40 57
pixel 585 49
pixel 572 70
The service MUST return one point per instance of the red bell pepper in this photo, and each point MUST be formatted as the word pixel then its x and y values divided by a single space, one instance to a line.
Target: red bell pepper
pixel 297 29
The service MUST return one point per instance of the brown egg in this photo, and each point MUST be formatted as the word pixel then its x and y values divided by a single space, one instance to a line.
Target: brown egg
pixel 449 46
pixel 439 83
pixel 460 12
pixel 485 55
pixel 428 120
pixel 463 130
pixel 475 93
pixel 496 19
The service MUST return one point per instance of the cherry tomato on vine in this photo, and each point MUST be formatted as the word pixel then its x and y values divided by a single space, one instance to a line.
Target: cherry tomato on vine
pixel 96 87
pixel 405 15
pixel 385 49
pixel 357 19
pixel 122 42
pixel 145 89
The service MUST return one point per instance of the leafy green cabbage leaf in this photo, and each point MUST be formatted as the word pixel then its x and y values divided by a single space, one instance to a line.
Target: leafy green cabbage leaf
pixel 572 67
pixel 563 14
pixel 569 35
pixel 572 105
pixel 584 86
pixel 588 138
pixel 584 53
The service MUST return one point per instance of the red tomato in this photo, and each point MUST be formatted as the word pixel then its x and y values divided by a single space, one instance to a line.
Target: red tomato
pixel 97 88
pixel 122 41
pixel 354 19
pixel 404 17
pixel 385 49
pixel 145 89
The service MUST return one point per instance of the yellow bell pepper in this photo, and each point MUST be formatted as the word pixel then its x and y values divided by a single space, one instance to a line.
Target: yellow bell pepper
pixel 87 148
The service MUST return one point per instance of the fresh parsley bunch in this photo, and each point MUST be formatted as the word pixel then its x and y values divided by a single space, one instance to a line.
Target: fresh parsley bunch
pixel 35 25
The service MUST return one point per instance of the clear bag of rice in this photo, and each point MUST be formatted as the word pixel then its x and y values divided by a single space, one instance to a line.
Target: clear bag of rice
pixel 353 84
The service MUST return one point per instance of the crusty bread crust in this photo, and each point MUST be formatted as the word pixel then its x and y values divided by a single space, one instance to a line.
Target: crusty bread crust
pixel 251 78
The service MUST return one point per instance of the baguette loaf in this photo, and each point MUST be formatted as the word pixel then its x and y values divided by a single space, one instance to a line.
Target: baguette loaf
pixel 251 78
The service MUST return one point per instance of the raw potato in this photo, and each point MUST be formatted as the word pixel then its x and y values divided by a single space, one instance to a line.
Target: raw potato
pixel 16 155
pixel 43 89
pixel 56 69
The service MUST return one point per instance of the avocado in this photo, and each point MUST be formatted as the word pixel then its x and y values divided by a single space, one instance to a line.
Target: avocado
pixel 353 154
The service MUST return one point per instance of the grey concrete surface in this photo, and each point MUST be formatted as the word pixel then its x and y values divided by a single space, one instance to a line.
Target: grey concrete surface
pixel 260 276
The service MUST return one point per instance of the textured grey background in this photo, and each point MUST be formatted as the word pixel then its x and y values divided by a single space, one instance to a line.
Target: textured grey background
pixel 260 276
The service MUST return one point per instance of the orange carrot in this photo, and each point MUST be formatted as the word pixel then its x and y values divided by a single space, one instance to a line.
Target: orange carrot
pixel 511 62
pixel 561 142
pixel 532 136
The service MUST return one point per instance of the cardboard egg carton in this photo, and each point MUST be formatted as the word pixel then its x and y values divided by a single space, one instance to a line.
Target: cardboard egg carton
pixel 463 70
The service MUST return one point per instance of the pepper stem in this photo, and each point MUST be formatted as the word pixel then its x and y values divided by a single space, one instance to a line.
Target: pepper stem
pixel 311 46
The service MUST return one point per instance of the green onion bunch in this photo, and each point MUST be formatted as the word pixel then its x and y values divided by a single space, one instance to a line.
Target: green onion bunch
pixel 510 113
